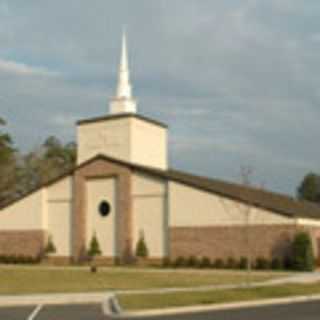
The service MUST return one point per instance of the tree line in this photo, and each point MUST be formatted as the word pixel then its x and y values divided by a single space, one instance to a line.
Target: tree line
pixel 23 172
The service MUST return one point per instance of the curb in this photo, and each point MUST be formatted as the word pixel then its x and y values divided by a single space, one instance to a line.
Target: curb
pixel 221 307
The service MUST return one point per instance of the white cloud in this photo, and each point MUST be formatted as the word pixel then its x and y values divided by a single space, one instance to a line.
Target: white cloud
pixel 24 69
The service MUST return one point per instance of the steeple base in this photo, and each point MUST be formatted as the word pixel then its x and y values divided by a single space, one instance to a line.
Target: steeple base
pixel 123 105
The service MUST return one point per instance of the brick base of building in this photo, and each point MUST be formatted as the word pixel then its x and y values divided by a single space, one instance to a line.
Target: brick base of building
pixel 57 261
pixel 19 242
pixel 266 241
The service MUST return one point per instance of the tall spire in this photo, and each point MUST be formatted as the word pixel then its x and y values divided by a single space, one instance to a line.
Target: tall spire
pixel 124 87
pixel 123 102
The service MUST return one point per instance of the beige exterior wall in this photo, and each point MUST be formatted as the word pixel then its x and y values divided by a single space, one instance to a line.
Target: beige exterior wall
pixel 59 226
pixel 190 207
pixel 98 190
pixel 148 144
pixel 61 190
pixel 60 205
pixel 150 214
pixel 25 214
pixel 145 185
pixel 308 222
pixel 111 137
pixel 128 139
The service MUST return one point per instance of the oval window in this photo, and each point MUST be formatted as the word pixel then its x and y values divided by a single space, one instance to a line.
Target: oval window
pixel 104 208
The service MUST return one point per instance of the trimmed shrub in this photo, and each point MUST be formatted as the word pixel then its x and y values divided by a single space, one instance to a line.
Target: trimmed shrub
pixel 50 247
pixel 243 263
pixel 262 263
pixel 21 259
pixel 94 247
pixel 231 263
pixel 205 263
pixel 218 264
pixel 180 262
pixel 302 253
pixel 277 264
pixel 288 263
pixel 142 249
pixel 166 263
pixel 192 262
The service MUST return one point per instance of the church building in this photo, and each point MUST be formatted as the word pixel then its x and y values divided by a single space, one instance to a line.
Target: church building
pixel 122 188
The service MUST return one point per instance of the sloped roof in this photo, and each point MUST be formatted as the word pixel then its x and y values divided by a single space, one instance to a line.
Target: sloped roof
pixel 278 203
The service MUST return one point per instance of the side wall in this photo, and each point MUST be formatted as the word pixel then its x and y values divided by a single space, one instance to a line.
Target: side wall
pixel 150 214
pixel 204 224
pixel 148 144
pixel 22 226
pixel 60 206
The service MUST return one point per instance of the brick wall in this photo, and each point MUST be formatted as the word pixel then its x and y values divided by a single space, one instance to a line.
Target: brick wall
pixel 224 242
pixel 28 243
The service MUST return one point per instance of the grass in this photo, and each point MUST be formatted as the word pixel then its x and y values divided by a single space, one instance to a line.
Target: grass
pixel 28 280
pixel 159 301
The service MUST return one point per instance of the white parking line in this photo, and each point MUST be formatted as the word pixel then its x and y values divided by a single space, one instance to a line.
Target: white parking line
pixel 35 312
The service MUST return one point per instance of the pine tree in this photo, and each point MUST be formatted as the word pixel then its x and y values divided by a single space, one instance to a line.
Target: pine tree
pixel 50 248
pixel 303 258
pixel 94 248
pixel 142 249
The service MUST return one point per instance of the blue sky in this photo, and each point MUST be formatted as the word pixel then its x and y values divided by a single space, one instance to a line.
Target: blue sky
pixel 237 81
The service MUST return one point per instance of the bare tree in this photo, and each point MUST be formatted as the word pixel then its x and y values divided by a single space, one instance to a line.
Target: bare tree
pixel 246 173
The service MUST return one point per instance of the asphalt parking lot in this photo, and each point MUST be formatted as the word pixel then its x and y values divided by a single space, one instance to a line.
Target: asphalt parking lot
pixel 298 311
pixel 61 312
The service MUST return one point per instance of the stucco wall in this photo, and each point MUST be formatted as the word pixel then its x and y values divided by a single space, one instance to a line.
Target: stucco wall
pixel 61 190
pixel 98 190
pixel 150 213
pixel 193 207
pixel 129 139
pixel 25 214
pixel 59 214
pixel 59 226
pixel 148 144
pixel 145 185
pixel 111 137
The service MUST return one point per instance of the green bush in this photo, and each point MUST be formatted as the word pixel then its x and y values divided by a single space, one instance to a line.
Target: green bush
pixel 231 263
pixel 243 263
pixel 94 247
pixel 142 249
pixel 21 259
pixel 218 264
pixel 50 247
pixel 205 263
pixel 262 264
pixel 180 262
pixel 166 262
pixel 302 253
pixel 192 262
pixel 277 264
pixel 288 263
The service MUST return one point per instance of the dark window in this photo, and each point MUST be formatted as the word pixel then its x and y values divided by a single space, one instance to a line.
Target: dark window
pixel 104 208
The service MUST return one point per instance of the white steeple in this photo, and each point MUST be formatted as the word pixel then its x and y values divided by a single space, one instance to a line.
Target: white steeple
pixel 123 102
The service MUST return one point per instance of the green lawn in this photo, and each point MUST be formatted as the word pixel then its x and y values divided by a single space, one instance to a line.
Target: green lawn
pixel 152 301
pixel 34 279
